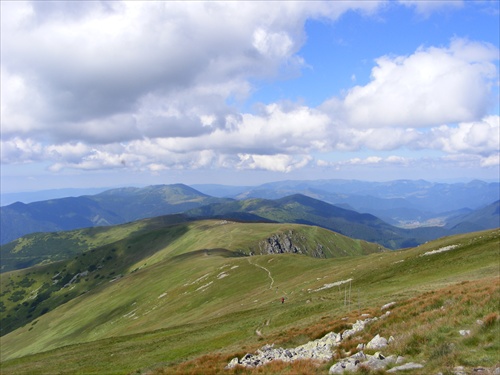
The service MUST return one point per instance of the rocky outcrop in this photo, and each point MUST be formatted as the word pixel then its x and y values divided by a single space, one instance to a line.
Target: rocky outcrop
pixel 322 350
pixel 375 362
pixel 280 243
pixel 290 242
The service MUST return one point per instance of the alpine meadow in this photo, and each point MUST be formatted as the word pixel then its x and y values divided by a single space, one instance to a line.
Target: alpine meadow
pixel 240 187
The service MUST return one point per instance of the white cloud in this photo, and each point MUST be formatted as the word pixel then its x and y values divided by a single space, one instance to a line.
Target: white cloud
pixel 432 86
pixel 146 86
pixel 478 137
pixel 491 161
pixel 274 163
pixel 20 150
pixel 80 66
pixel 68 152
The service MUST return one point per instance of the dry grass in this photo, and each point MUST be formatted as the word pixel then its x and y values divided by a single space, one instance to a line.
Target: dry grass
pixel 425 328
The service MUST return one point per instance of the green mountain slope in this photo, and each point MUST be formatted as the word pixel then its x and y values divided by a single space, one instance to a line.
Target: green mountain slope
pixel 487 217
pixel 38 248
pixel 178 292
pixel 305 210
pixel 111 207
pixel 130 248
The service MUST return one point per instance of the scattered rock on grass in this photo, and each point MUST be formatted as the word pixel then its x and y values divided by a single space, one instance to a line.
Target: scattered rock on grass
pixel 387 305
pixel 377 342
pixel 406 366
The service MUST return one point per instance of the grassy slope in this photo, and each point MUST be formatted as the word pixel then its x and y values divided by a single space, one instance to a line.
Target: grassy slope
pixel 38 248
pixel 112 207
pixel 180 307
pixel 30 293
pixel 305 210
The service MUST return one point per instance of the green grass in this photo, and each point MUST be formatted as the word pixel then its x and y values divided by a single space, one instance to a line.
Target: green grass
pixel 28 294
pixel 41 248
pixel 186 291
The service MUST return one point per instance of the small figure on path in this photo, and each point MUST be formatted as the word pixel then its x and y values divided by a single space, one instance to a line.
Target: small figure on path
pixel 282 299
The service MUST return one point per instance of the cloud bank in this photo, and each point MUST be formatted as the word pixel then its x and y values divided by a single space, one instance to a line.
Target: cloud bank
pixel 156 86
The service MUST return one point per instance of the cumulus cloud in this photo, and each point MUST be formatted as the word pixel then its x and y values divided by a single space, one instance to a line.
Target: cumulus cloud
pixel 101 60
pixel 147 86
pixel 478 137
pixel 432 86
pixel 275 163
pixel 20 150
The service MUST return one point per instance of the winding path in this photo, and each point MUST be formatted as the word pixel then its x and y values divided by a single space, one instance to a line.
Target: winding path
pixel 265 269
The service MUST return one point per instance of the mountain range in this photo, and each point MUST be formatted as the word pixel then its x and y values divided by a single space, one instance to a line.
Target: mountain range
pixel 158 296
pixel 219 277
pixel 354 214
pixel 396 202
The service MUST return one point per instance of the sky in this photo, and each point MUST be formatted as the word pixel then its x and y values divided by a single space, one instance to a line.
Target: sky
pixel 128 93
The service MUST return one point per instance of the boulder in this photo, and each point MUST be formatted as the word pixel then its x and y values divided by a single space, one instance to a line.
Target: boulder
pixel 374 362
pixel 340 367
pixel 406 366
pixel 387 305
pixel 379 361
pixel 232 363
pixel 377 342
pixel 459 370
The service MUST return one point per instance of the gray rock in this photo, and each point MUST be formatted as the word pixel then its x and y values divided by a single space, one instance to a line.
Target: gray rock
pixel 374 362
pixel 282 243
pixel 480 370
pixel 406 366
pixel 320 349
pixel 377 342
pixel 379 361
pixel 342 366
pixel 387 305
pixel 464 332
pixel 459 370
pixel 233 363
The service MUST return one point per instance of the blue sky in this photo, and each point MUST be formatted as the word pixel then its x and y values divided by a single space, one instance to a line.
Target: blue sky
pixel 106 94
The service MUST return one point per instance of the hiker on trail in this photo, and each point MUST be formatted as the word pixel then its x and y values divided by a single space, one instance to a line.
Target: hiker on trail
pixel 282 299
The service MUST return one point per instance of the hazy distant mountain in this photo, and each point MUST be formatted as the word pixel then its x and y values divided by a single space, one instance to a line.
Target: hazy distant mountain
pixel 426 207
pixel 42 195
pixel 394 201
pixel 487 217
pixel 111 207
pixel 306 210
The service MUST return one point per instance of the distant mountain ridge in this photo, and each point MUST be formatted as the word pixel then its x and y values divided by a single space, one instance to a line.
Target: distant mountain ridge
pixel 112 207
pixel 487 217
pixel 396 202
pixel 302 209
pixel 385 217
